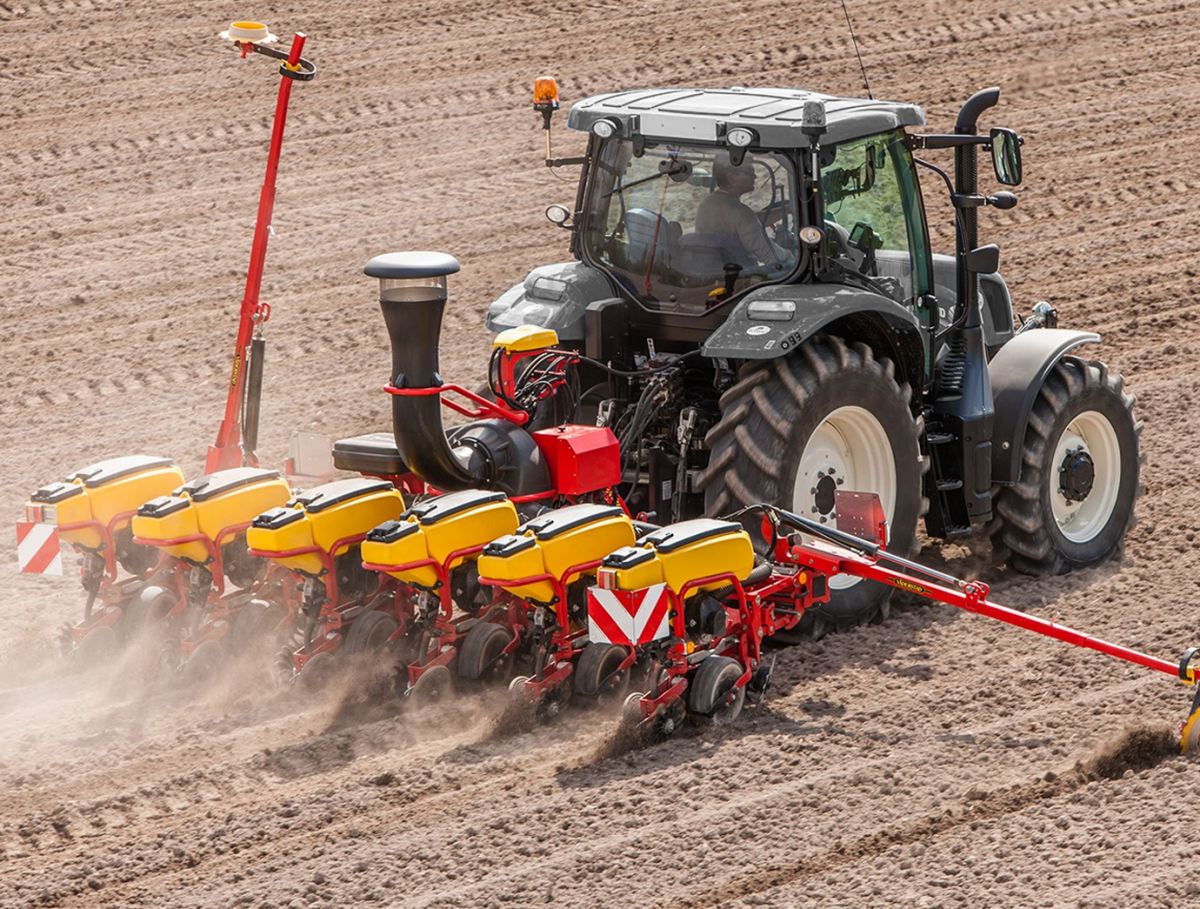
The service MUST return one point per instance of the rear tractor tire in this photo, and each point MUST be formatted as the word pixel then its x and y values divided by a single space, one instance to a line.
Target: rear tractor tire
pixel 1080 466
pixel 795 430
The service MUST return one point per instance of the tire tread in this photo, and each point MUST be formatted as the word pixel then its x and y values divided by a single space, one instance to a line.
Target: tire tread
pixel 763 404
pixel 1017 530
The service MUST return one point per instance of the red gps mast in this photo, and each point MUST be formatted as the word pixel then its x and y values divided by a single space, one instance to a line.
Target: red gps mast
pixel 238 435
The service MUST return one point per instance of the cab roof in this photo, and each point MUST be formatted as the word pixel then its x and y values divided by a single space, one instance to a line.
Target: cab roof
pixel 706 114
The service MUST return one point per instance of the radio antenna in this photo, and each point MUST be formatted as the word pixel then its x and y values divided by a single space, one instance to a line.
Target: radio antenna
pixel 856 51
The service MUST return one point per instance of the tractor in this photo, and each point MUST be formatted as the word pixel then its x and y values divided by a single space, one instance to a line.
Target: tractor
pixel 755 312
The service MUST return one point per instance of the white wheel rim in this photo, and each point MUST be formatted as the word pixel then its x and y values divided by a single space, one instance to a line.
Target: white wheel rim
pixel 1091 432
pixel 849 445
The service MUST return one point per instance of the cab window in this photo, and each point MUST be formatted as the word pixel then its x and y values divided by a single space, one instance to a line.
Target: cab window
pixel 683 227
pixel 873 216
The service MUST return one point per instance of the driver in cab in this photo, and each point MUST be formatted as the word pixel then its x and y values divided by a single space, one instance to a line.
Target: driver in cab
pixel 724 212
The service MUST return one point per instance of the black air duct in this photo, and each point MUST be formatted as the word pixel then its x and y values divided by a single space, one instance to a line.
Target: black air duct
pixel 412 295
pixel 486 454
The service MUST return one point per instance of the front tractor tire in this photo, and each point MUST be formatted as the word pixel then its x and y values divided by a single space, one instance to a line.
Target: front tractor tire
pixel 1080 466
pixel 795 430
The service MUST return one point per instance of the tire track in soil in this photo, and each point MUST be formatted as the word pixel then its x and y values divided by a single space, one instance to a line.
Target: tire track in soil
pixel 252 131
pixel 89 390
pixel 1137 749
pixel 1103 92
pixel 335 815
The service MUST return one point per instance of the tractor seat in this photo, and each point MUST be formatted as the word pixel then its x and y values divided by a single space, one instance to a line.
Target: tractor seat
pixel 704 255
pixel 374 454
pixel 648 231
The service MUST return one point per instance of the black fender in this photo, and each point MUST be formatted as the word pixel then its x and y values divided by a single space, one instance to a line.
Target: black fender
pixel 1017 372
pixel 891 328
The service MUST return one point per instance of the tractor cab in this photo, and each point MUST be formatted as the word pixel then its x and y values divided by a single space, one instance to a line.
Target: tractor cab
pixel 692 201
pixel 692 198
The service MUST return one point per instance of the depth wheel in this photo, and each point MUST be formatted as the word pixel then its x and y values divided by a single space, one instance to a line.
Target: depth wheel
pixel 370 632
pixel 258 628
pixel 145 615
pixel 1080 465
pixel 631 708
pixel 597 676
pixel 712 700
pixel 794 431
pixel 97 649
pixel 317 672
pixel 516 688
pixel 170 660
pixel 479 660
pixel 204 663
pixel 434 686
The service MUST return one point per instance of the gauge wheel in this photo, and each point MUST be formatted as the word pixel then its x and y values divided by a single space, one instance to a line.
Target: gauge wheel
pixel 598 674
pixel 370 632
pixel 712 699
pixel 480 659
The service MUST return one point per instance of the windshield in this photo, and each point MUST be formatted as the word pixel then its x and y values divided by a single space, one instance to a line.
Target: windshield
pixel 683 228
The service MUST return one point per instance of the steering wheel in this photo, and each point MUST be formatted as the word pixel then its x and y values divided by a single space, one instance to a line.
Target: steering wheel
pixel 774 212
pixel 774 219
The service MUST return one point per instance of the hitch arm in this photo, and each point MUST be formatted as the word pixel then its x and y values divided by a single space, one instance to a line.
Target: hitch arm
pixel 972 596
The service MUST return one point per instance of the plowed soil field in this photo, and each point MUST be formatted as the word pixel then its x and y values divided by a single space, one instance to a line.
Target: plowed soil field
pixel 935 760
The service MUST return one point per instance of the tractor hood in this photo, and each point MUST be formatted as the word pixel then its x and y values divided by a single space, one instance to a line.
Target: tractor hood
pixel 551 296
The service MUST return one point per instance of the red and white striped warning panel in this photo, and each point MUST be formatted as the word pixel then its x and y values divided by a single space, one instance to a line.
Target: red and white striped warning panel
pixel 628 617
pixel 38 549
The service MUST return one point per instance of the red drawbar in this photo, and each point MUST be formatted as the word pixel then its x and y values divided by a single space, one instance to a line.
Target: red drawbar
pixel 581 458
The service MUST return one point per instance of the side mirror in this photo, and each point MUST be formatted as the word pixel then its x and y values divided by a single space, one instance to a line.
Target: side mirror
pixel 1006 156
pixel 985 260
pixel 558 214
